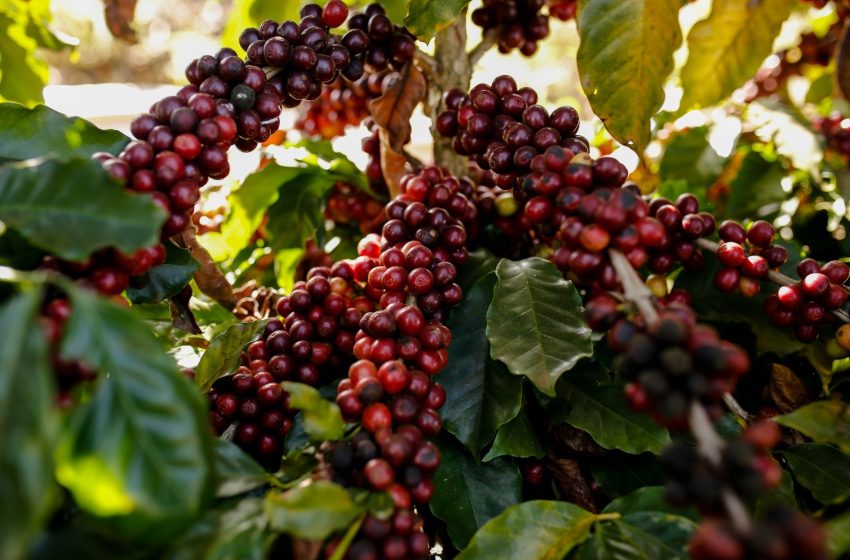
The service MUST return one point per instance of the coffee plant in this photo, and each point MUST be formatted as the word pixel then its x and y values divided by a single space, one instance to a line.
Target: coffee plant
pixel 550 339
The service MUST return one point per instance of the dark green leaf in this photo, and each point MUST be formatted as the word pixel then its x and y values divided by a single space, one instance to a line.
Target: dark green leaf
pixel 621 474
pixel 297 215
pixel 481 393
pixel 536 529
pixel 726 48
pixel 469 494
pixel 823 421
pixel 756 188
pixel 599 409
pixel 639 536
pixel 28 422
pixel 426 17
pixel 168 278
pixel 782 495
pixel 535 323
pixel 481 263
pixel 311 512
pixel 648 498
pixel 72 208
pixel 822 469
pixel 235 471
pixel 224 352
pixel 516 439
pixel 322 419
pixel 233 531
pixel 139 452
pixel 639 38
pixel 42 132
pixel 337 163
pixel 691 158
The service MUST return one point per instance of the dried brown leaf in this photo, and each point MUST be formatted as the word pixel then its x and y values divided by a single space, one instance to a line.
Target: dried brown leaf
pixel 403 91
pixel 182 317
pixel 572 483
pixel 209 278
pixel 393 164
pixel 303 549
pixel 569 440
pixel 786 390
pixel 119 18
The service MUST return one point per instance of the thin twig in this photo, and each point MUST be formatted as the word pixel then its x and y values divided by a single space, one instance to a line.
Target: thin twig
pixel 272 71
pixel 776 277
pixel 710 445
pixel 427 63
pixel 633 287
pixel 735 407
pixel 488 41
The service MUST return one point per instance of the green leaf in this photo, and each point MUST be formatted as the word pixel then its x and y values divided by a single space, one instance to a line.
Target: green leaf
pixel 297 215
pixel 822 469
pixel 648 498
pixel 41 132
pixel 168 278
pixel 249 202
pixel 516 439
pixel 726 48
pixel 322 419
pixel 73 208
pixel 535 323
pixel 235 471
pixel 691 158
pixel 838 535
pixel 535 529
pixel 823 421
pixel 311 512
pixel 621 474
pixel 468 494
pixel 481 393
pixel 28 422
pixel 222 356
pixel 232 531
pixel 481 262
pixel 639 536
pixel 426 17
pixel 23 74
pixel 336 163
pixel 756 186
pixel 625 55
pixel 139 452
pixel 598 408
pixel 781 496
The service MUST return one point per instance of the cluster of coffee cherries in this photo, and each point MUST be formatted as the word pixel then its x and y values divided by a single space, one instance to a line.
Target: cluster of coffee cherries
pixel 520 23
pixel 501 127
pixel 349 206
pixel 340 105
pixel 744 269
pixel 306 55
pixel 675 362
pixel 836 131
pixel 808 303
pixel 745 469
pixel 564 10
pixel 503 226
pixel 389 46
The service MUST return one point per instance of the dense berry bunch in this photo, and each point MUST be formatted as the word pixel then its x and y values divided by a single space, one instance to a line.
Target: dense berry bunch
pixel 808 303
pixel 501 127
pixel 745 467
pixel 305 55
pixel 340 105
pixel 349 206
pixel 387 45
pixel 781 534
pixel 836 131
pixel 746 256
pixel 564 10
pixel 503 226
pixel 520 23
pixel 675 362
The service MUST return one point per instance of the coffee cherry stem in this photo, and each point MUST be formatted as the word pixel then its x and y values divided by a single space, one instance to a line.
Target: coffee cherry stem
pixel 776 277
pixel 634 289
pixel 272 71
pixel 735 407
pixel 488 41
pixel 710 446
